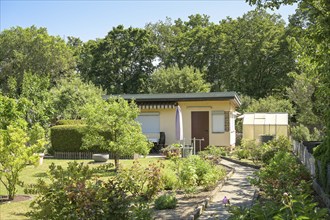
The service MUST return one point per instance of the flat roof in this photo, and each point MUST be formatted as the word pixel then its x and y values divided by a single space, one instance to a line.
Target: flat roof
pixel 161 97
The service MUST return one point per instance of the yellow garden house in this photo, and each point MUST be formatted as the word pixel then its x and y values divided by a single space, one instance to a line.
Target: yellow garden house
pixel 205 116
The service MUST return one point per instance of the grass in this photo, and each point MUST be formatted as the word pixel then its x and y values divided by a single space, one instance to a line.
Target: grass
pixel 30 175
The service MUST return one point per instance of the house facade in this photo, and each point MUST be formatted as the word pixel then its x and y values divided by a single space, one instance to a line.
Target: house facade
pixel 207 117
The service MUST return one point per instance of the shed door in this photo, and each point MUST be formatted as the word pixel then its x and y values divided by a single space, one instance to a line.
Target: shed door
pixel 200 128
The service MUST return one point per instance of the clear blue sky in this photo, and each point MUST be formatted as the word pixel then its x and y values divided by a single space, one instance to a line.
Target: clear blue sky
pixel 94 19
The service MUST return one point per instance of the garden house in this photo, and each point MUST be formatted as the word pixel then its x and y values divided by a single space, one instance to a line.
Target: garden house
pixel 181 117
pixel 260 125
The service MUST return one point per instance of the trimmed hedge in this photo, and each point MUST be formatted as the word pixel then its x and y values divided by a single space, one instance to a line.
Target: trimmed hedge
pixel 67 138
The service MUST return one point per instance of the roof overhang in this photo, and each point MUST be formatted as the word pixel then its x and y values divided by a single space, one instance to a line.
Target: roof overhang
pixel 176 97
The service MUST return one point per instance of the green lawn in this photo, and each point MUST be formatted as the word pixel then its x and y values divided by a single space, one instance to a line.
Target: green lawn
pixel 17 210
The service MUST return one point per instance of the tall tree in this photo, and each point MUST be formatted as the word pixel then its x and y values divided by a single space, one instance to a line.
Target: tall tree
pixel 121 62
pixel 31 50
pixel 70 95
pixel 253 57
pixel 314 18
pixel 175 80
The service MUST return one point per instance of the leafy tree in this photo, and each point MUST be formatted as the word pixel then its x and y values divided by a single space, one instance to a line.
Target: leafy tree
pixel 71 94
pixel 313 19
pixel 302 94
pixel 271 104
pixel 35 100
pixel 121 62
pixel 15 156
pixel 175 80
pixel 111 125
pixel 254 55
pixel 31 50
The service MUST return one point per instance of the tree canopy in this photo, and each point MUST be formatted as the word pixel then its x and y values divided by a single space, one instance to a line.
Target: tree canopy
pixel 31 50
pixel 175 80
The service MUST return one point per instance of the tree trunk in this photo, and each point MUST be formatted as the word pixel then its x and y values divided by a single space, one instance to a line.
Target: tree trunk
pixel 116 157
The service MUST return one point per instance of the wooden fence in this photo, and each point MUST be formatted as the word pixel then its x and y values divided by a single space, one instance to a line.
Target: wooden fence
pixel 308 160
pixel 83 155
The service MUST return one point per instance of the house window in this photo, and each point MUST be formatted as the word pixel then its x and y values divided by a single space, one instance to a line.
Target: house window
pixel 218 121
pixel 149 122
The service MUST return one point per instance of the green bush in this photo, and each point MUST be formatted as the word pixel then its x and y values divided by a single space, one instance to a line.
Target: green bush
pixel 142 182
pixel 300 133
pixel 73 193
pixel 167 201
pixel 68 138
pixel 212 153
pixel 172 151
pixel 70 122
pixel 282 174
pixel 170 180
pixel 195 171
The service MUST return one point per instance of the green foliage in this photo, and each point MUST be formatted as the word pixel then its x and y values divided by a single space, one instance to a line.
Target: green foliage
pixel 35 99
pixel 142 182
pixel 115 118
pixel 170 180
pixel 176 80
pixel 15 156
pixel 71 94
pixel 172 151
pixel 67 138
pixel 300 133
pixel 212 153
pixel 31 50
pixel 10 112
pixel 195 171
pixel 70 122
pixel 290 207
pixel 121 62
pixel 282 174
pixel 271 104
pixel 73 193
pixel 167 201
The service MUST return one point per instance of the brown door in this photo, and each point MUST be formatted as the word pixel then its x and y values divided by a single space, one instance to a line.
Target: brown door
pixel 200 128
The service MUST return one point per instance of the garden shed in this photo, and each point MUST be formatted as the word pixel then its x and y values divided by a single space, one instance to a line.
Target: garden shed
pixel 259 125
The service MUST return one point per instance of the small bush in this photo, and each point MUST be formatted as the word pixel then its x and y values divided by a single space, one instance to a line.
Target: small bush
pixel 171 151
pixel 212 153
pixel 142 182
pixel 300 133
pixel 242 154
pixel 170 180
pixel 167 201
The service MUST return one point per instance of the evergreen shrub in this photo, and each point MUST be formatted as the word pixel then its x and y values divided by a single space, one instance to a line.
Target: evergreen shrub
pixel 67 138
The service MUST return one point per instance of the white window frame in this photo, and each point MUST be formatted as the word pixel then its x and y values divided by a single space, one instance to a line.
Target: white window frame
pixel 218 121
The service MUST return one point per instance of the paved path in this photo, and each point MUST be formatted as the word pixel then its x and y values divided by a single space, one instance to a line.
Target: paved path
pixel 237 188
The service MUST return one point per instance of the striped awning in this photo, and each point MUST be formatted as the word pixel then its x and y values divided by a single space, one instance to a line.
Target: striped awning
pixel 157 105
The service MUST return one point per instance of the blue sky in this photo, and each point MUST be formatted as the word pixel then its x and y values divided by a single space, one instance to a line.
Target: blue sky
pixel 94 19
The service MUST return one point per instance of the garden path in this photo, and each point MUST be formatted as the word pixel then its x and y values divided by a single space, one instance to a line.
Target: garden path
pixel 237 189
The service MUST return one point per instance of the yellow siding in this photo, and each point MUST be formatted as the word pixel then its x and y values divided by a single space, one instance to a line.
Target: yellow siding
pixel 167 120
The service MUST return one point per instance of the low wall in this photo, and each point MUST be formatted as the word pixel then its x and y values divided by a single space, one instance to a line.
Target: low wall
pixel 308 160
